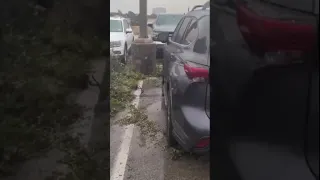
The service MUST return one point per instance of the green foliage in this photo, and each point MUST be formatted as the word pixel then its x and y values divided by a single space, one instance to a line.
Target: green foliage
pixel 39 70
pixel 123 80
pixel 148 128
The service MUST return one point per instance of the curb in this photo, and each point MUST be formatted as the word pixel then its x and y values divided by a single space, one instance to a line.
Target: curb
pixel 119 166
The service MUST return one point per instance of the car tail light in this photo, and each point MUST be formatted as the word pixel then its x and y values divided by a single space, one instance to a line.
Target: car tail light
pixel 196 72
pixel 280 39
pixel 203 142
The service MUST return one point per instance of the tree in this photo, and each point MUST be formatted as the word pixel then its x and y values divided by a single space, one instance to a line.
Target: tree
pixel 133 18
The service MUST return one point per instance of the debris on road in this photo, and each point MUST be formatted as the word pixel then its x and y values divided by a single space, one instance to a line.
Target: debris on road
pixel 138 117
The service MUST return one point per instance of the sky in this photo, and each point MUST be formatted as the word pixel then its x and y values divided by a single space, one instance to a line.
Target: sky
pixel 172 6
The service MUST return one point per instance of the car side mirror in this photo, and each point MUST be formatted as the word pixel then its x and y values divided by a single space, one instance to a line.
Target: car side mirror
pixel 129 30
pixel 163 37
pixel 150 25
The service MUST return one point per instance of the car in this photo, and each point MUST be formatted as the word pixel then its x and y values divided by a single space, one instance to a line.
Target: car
pixel 121 37
pixel 186 91
pixel 164 24
pixel 264 77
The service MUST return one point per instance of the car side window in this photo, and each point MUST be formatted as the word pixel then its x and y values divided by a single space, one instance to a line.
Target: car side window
pixel 202 43
pixel 174 35
pixel 191 33
pixel 182 29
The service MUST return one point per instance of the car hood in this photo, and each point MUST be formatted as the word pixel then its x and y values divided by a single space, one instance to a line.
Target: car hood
pixel 117 36
pixel 165 28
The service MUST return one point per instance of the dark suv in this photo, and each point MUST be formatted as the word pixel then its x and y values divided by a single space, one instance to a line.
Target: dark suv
pixel 265 90
pixel 185 82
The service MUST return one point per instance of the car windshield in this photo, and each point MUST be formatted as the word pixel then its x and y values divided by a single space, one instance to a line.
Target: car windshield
pixel 168 19
pixel 116 26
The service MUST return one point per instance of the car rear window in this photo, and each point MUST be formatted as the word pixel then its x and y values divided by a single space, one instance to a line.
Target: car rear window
pixel 203 42
pixel 309 6
pixel 300 11
pixel 168 19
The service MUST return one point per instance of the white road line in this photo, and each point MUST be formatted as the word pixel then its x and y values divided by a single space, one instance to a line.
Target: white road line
pixel 119 166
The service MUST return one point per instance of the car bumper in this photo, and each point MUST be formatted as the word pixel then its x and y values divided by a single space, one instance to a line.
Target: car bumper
pixel 190 125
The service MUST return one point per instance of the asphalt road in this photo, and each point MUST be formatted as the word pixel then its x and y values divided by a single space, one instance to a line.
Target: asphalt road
pixel 137 157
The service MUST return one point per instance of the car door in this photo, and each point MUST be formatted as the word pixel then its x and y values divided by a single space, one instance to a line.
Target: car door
pixel 171 49
pixel 193 90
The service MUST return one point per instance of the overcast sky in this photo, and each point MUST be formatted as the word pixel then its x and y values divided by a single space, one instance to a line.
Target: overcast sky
pixel 172 6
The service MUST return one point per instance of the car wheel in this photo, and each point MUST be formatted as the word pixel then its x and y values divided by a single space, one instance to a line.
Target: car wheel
pixel 129 51
pixel 125 55
pixel 163 101
pixel 162 86
pixel 163 97
pixel 169 135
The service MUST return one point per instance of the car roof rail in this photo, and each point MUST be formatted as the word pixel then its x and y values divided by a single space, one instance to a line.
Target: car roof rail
pixel 203 7
pixel 206 5
pixel 197 6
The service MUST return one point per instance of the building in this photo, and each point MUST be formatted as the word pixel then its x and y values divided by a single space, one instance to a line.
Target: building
pixel 159 10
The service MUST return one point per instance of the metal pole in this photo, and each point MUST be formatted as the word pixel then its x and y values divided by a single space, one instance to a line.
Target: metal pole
pixel 143 19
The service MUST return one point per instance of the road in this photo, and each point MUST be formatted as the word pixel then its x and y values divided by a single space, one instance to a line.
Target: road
pixel 135 156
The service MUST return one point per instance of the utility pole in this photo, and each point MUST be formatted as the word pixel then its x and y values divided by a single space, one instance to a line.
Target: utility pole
pixel 143 19
pixel 143 48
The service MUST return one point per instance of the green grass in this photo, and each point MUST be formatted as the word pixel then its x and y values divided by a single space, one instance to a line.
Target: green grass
pixel 122 84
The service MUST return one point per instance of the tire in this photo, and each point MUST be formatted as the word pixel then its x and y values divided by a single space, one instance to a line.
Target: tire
pixel 163 103
pixel 125 55
pixel 129 52
pixel 169 134
pixel 162 86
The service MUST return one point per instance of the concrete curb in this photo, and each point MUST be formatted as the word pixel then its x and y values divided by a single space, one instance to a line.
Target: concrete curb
pixel 119 166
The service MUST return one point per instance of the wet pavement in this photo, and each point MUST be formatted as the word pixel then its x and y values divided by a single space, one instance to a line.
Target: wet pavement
pixel 150 158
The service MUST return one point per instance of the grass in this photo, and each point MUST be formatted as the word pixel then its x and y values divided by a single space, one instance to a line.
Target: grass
pixel 123 81
pixel 39 71
pixel 138 117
